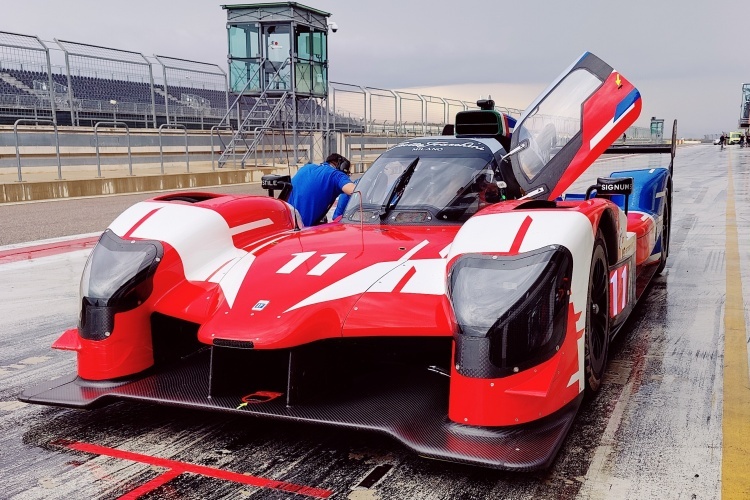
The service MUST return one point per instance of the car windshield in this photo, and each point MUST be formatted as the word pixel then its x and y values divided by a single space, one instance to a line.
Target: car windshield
pixel 417 184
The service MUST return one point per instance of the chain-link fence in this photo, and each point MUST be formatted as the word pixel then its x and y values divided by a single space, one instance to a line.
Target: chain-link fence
pixel 192 92
pixel 108 84
pixel 27 89
pixel 348 107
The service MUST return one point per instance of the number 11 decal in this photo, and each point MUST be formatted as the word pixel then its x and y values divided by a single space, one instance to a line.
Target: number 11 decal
pixel 618 290
pixel 300 258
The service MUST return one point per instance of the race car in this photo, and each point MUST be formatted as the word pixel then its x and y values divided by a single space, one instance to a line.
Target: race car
pixel 464 303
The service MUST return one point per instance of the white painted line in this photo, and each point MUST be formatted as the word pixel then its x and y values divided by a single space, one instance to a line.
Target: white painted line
pixel 599 483
pixel 26 244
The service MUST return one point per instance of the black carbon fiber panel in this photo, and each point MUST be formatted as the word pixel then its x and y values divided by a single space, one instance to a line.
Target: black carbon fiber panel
pixel 412 407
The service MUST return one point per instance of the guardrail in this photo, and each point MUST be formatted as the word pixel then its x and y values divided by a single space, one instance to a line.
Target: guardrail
pixel 161 147
pixel 18 151
pixel 96 142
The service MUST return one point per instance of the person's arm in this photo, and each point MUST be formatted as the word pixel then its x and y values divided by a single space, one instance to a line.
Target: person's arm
pixel 349 188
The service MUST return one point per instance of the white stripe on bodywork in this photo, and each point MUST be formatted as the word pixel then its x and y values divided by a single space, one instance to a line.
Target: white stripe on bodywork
pixel 234 276
pixel 444 252
pixel 578 375
pixel 379 277
pixel 251 225
pixel 408 255
pixel 354 284
pixel 232 280
pixel 200 236
pixel 608 128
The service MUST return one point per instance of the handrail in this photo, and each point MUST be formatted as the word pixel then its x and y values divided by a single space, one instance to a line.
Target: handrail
pixel 258 131
pixel 96 142
pixel 240 127
pixel 18 152
pixel 216 127
pixel 242 92
pixel 161 148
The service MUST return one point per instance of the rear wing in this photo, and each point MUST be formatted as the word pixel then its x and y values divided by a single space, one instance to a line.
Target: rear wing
pixel 648 148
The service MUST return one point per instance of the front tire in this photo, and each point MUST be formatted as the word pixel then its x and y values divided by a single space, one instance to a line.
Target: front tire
pixel 597 318
pixel 666 229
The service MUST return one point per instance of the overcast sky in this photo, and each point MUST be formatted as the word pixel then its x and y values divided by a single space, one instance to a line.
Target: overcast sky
pixel 686 57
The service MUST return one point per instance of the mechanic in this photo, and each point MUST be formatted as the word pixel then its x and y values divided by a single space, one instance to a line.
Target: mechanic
pixel 315 187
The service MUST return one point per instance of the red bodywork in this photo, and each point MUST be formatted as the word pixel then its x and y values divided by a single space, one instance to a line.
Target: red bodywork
pixel 263 300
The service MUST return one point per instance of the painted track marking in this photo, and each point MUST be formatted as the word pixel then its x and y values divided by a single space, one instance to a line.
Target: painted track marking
pixel 175 468
pixel 47 249
pixel 735 480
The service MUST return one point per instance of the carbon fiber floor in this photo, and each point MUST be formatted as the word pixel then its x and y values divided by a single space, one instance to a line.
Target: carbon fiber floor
pixel 409 404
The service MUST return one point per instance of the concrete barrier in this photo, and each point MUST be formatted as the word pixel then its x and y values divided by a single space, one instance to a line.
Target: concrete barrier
pixel 57 189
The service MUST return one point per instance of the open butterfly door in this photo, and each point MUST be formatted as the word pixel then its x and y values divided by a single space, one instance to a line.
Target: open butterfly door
pixel 570 125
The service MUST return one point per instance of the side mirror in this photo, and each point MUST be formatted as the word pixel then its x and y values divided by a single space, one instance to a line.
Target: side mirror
pixel 272 182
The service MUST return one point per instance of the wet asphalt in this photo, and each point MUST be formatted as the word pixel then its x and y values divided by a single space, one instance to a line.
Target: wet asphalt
pixel 654 431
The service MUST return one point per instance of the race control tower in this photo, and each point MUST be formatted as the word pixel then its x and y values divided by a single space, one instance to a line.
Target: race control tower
pixel 744 121
pixel 278 72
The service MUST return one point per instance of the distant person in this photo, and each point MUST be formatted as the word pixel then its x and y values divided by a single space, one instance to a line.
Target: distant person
pixel 742 141
pixel 722 140
pixel 315 187
pixel 624 137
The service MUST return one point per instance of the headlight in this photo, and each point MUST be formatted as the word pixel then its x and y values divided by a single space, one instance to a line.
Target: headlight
pixel 117 277
pixel 511 310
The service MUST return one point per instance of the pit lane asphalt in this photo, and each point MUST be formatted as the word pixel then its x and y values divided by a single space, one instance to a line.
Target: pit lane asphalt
pixel 654 431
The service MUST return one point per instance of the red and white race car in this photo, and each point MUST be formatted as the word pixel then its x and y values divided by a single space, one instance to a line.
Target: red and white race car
pixel 461 304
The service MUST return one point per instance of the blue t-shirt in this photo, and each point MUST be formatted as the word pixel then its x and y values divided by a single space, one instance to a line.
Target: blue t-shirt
pixel 314 188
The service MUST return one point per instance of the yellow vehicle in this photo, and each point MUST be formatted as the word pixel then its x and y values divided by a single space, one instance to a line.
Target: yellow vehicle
pixel 734 137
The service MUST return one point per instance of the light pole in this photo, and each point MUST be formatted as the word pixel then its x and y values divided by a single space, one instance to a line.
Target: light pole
pixel 114 110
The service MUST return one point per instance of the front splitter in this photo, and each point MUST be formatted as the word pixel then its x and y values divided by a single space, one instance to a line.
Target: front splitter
pixel 410 406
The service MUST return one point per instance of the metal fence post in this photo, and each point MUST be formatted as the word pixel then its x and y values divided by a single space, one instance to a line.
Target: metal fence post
pixel 187 156
pixel 18 150
pixel 96 142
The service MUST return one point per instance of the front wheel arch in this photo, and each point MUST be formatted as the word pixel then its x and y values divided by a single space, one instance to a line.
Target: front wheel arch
pixel 596 347
pixel 607 231
pixel 666 231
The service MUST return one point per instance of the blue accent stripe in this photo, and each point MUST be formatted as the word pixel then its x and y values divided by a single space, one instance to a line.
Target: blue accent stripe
pixel 628 101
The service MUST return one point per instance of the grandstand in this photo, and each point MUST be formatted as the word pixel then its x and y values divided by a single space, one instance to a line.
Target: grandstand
pixel 100 83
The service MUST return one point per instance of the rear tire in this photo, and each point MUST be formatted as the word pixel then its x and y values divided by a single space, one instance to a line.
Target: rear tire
pixel 666 230
pixel 597 318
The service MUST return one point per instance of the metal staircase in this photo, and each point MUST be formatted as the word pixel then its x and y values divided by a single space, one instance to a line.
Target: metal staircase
pixel 265 111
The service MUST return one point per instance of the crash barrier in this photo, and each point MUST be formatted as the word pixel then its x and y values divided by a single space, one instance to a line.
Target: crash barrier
pixel 73 149
pixel 41 145
pixel 70 187
pixel 18 151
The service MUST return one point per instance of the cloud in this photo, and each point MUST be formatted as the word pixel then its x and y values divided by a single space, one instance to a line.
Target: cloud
pixel 684 56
